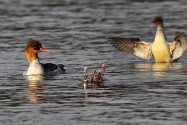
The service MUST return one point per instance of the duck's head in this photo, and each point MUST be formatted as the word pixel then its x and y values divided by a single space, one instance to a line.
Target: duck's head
pixel 158 21
pixel 32 49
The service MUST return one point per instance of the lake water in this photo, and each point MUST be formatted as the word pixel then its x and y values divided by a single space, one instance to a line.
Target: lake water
pixel 135 92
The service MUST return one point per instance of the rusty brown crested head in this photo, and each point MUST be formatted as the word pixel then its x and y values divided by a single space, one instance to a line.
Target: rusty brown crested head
pixel 32 49
pixel 35 44
pixel 158 21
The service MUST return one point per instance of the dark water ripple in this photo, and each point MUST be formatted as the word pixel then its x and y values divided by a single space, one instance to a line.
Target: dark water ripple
pixel 135 91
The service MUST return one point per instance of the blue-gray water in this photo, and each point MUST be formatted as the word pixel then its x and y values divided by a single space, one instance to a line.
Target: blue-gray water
pixel 135 92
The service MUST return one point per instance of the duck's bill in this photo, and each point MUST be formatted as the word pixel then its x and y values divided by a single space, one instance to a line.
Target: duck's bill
pixel 44 50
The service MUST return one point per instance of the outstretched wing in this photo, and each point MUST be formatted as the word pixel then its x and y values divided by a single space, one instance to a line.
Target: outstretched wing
pixel 178 46
pixel 135 46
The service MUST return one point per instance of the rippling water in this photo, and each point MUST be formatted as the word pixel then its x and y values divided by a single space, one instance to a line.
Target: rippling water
pixel 135 91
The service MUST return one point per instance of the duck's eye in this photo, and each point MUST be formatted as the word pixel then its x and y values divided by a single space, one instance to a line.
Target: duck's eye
pixel 36 48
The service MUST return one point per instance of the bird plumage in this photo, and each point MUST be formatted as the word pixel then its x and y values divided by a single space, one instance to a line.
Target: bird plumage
pixel 32 49
pixel 160 48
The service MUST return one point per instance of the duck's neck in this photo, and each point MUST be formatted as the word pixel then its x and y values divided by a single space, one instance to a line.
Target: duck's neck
pixel 35 68
pixel 32 57
pixel 160 36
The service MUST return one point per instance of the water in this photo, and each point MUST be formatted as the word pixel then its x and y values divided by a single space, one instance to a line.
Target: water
pixel 136 92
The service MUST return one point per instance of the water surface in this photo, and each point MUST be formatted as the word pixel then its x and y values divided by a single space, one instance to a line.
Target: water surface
pixel 135 91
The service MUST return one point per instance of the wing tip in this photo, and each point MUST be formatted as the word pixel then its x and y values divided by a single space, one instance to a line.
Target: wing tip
pixel 179 36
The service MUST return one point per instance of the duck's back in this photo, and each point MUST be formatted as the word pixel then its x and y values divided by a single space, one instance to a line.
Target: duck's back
pixel 53 69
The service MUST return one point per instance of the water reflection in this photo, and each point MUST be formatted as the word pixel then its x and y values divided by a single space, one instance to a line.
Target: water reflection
pixel 34 78
pixel 87 85
pixel 159 69
pixel 35 88
pixel 93 89
pixel 100 92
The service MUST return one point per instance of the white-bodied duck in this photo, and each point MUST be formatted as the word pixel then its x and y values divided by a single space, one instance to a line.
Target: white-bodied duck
pixel 32 49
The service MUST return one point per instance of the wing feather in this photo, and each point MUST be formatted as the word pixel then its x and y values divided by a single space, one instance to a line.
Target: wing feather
pixel 135 46
pixel 178 46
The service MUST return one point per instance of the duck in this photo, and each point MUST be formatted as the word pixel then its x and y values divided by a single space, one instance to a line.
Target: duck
pixel 162 50
pixel 32 49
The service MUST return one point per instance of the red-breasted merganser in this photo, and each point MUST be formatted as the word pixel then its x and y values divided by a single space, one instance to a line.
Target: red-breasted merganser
pixel 163 51
pixel 32 49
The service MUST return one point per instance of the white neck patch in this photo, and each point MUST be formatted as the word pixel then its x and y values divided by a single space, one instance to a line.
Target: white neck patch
pixel 35 68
